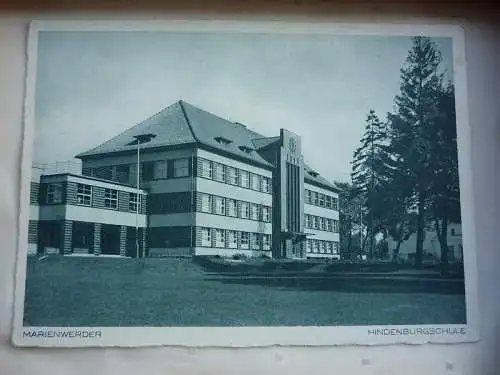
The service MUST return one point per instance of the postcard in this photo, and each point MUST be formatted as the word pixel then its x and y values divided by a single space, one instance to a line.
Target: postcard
pixel 245 183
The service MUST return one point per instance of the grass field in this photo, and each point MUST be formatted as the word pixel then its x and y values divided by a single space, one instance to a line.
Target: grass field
pixel 164 292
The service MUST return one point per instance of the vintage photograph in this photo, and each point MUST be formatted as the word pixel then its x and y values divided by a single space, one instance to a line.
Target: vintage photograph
pixel 184 178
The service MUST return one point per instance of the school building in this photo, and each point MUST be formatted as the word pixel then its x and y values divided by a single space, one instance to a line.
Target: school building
pixel 207 186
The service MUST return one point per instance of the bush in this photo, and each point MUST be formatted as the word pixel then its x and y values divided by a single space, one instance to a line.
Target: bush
pixel 239 257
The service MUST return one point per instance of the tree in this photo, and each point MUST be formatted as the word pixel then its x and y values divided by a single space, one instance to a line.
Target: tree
pixel 412 128
pixel 369 174
pixel 349 220
pixel 444 187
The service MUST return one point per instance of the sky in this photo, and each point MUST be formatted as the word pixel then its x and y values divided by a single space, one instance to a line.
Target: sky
pixel 90 86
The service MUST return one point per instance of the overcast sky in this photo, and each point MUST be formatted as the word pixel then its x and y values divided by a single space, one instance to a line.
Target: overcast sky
pixel 94 85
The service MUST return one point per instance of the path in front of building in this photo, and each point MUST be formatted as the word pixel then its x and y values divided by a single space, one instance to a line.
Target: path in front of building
pixel 128 292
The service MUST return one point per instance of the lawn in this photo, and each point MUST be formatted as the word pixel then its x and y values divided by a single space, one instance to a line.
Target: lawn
pixel 171 292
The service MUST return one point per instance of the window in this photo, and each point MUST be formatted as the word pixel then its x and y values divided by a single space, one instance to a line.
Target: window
pixel 219 172
pixel 328 201
pixel 322 223
pixel 266 185
pixel 329 225
pixel 266 214
pixel 323 247
pixel 220 238
pixel 245 240
pixel 335 247
pixel 232 207
pixel 316 222
pixel 335 226
pixel 244 179
pixel 245 210
pixel 254 179
pixel 232 177
pixel 54 193
pixel 316 246
pixel 232 239
pixel 335 203
pixel 206 203
pixel 254 212
pixel 84 194
pixel 315 198
pixel 308 246
pixel 254 241
pixel 111 198
pixel 220 206
pixel 181 167
pixel 132 203
pixel 322 200
pixel 159 169
pixel 308 221
pixel 206 238
pixel 206 169
pixel 330 247
pixel 266 242
pixel 308 196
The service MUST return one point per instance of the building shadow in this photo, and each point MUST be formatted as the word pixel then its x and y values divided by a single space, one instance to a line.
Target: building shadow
pixel 349 284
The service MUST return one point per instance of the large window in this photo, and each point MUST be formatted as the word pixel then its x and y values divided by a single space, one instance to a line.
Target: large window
pixel 232 208
pixel 232 239
pixel 335 203
pixel 335 226
pixel 266 185
pixel 308 196
pixel 266 242
pixel 335 247
pixel 254 241
pixel 321 200
pixel 132 203
pixel 110 198
pixel 220 207
pixel 315 198
pixel 160 169
pixel 244 179
pixel 316 222
pixel 220 174
pixel 220 240
pixel 206 203
pixel 245 210
pixel 54 193
pixel 330 247
pixel 329 226
pixel 232 176
pixel 84 194
pixel 245 240
pixel 206 238
pixel 328 201
pixel 266 214
pixel 207 169
pixel 254 212
pixel 181 167
pixel 308 246
pixel 322 223
pixel 254 180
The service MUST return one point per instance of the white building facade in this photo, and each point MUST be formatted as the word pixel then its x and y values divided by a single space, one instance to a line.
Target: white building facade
pixel 209 187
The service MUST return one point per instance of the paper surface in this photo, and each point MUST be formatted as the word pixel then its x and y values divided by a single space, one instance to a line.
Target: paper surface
pixel 244 133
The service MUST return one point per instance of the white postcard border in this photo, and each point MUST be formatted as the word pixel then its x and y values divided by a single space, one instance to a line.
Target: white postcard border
pixel 253 336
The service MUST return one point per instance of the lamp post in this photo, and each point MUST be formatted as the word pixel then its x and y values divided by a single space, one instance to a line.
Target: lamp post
pixel 138 140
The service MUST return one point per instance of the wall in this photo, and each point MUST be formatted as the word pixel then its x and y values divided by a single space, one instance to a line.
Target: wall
pixel 483 52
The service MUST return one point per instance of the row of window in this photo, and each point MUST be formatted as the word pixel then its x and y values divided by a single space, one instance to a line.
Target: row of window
pixel 84 196
pixel 231 207
pixel 321 223
pixel 322 247
pixel 223 238
pixel 150 170
pixel 321 200
pixel 233 176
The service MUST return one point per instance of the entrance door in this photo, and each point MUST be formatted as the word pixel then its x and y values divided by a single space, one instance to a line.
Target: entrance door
pixel 110 239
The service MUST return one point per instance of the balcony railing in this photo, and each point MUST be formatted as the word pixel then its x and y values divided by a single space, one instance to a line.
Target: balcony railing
pixel 60 167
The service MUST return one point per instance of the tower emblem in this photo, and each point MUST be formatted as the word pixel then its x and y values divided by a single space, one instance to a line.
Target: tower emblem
pixel 292 145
